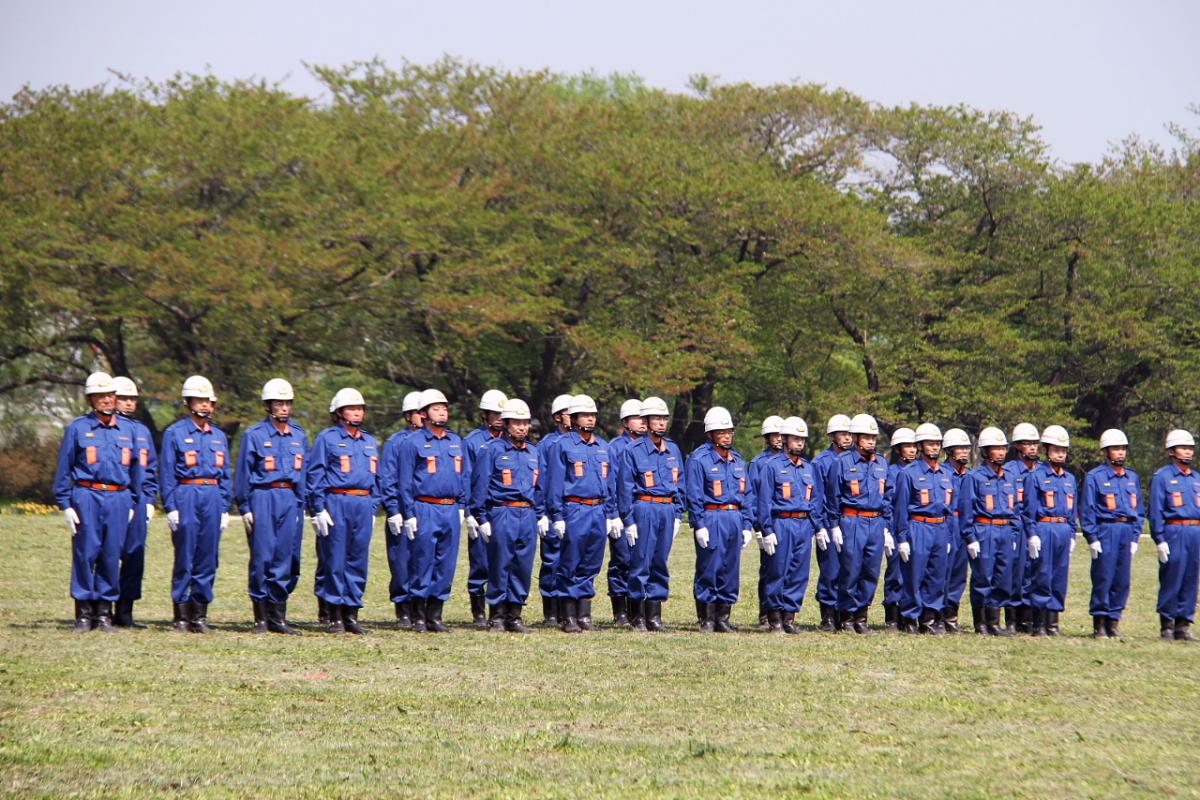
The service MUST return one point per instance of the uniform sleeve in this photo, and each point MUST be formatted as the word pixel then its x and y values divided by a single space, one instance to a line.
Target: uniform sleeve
pixel 765 484
pixel 241 478
pixel 376 484
pixel 626 485
pixel 966 504
pixel 539 491
pixel 477 502
pixel 1029 508
pixel 554 481
pixel 694 495
pixel 1158 498
pixel 819 516
pixel 680 487
pixel 388 476
pixel 464 483
pixel 301 487
pixel 749 507
pixel 610 485
pixel 62 472
pixel 150 473
pixel 889 497
pixel 315 479
pixel 137 478
pixel 833 511
pixel 226 479
pixel 167 481
pixel 1073 515
pixel 1087 509
pixel 1141 510
pixel 900 499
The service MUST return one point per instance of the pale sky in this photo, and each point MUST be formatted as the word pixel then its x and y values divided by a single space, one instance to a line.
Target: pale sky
pixel 1090 73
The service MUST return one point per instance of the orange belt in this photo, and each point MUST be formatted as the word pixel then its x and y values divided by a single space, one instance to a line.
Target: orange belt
pixel 992 520
pixel 790 514
pixel 1183 521
pixel 355 492
pixel 928 520
pixel 104 487
pixel 1052 519
pixel 722 507
pixel 276 485
pixel 516 504
pixel 587 501
pixel 199 481
pixel 437 501
pixel 653 498
pixel 854 512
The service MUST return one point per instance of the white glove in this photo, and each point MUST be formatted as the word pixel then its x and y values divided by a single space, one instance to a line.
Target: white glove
pixel 173 520
pixel 560 528
pixel 131 513
pixel 484 530
pixel 972 549
pixel 1071 545
pixel 224 520
pixel 768 543
pixel 248 521
pixel 150 511
pixel 72 520
pixel 905 551
pixel 462 515
pixel 1133 546
pixel 949 548
pixel 1034 546
pixel 674 531
pixel 1164 552
pixel 1096 549
pixel 615 528
pixel 702 537
pixel 410 528
pixel 838 541
pixel 747 535
pixel 472 528
pixel 758 536
pixel 631 533
pixel 395 522
pixel 543 526
pixel 823 539
pixel 323 521
pixel 889 544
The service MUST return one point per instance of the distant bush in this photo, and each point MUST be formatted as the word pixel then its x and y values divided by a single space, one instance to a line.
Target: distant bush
pixel 27 468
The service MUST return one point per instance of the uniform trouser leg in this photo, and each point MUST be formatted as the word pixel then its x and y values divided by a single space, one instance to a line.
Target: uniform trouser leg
pixel 582 551
pixel 396 546
pixel 277 514
pixel 297 552
pixel 510 554
pixel 984 566
pixel 345 551
pixel 924 587
pixel 1004 564
pixel 618 565
pixel 1111 570
pixel 828 565
pixel 956 569
pixel 197 543
pixel 1051 569
pixel 1017 576
pixel 549 549
pixel 97 543
pixel 649 571
pixel 133 556
pixel 718 565
pixel 785 575
pixel 433 554
pixel 893 580
pixel 319 568
pixel 477 565
pixel 1177 578
pixel 861 559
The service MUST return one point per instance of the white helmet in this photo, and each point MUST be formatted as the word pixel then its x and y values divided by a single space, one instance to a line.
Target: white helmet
pixel 431 396
pixel 583 404
pixel 631 408
pixel 1113 438
pixel 411 402
pixel 992 437
pixel 717 419
pixel 124 387
pixel 956 437
pixel 927 432
pixel 655 407
pixel 1180 438
pixel 515 409
pixel 198 386
pixel 561 403
pixel 492 400
pixel 903 436
pixel 1056 435
pixel 99 383
pixel 838 423
pixel 1024 432
pixel 346 397
pixel 794 426
pixel 864 423
pixel 772 424
pixel 277 389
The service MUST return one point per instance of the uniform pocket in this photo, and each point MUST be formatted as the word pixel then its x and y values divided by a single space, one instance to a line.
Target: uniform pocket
pixel 1050 499
pixel 345 463
pixel 431 465
pixel 219 457
pixel 506 477
pixel 989 502
pixel 458 464
pixel 298 462
pixel 855 489
pixel 1110 502
pixel 787 490
pixel 144 457
pixel 604 470
pixel 579 469
pixel 374 464
pixel 923 499
pixel 92 454
pixel 718 489
pixel 1177 499
pixel 126 456
pixel 269 463
pixel 675 474
pixel 191 458
pixel 648 479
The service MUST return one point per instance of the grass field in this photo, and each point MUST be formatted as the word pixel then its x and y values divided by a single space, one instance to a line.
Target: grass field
pixel 606 714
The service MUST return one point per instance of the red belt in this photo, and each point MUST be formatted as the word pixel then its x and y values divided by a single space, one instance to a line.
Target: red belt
pixel 653 498
pixel 516 504
pixel 104 487
pixel 790 514
pixel 854 512
pixel 355 492
pixel 722 507
pixel 992 520
pixel 1052 519
pixel 199 481
pixel 1183 522
pixel 276 485
pixel 928 520
pixel 587 501
pixel 437 501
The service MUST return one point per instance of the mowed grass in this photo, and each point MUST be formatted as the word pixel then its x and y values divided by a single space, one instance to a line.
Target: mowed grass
pixel 604 714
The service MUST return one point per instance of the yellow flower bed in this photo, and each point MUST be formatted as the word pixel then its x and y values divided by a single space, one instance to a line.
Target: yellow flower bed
pixel 28 507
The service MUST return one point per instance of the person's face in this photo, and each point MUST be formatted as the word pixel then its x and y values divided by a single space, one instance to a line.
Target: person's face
pixel 722 438
pixel 415 419
pixel 200 406
pixel 774 441
pixel 960 455
pixel 353 415
pixel 842 440
pixel 584 422
pixel 437 414
pixel 126 404
pixel 866 443
pixel 657 425
pixel 280 409
pixel 908 452
pixel 492 420
pixel 635 425
pixel 931 449
pixel 1027 450
pixel 103 403
pixel 1116 455
pixel 1056 455
pixel 795 444
pixel 1183 453
pixel 563 420
pixel 995 454
pixel 518 429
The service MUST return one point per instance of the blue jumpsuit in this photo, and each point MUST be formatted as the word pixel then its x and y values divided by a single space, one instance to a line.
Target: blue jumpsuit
pixel 858 499
pixel 477 549
pixel 893 574
pixel 1021 577
pixel 923 516
pixel 341 476
pixel 1051 512
pixel 506 493
pixel 133 554
pixel 194 479
pixel 719 497
pixel 956 567
pixel 650 495
pixel 104 455
pixel 1112 512
pixel 988 515
pixel 435 484
pixel 579 492
pixel 551 546
pixel 618 549
pixel 752 471
pixel 791 505
pixel 269 483
pixel 396 544
pixel 1174 509
pixel 828 560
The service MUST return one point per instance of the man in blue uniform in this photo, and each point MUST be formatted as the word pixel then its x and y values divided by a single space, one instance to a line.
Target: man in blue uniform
pixel 389 486
pixel 98 484
pixel 1051 517
pixel 650 502
pixel 720 502
pixel 790 511
pixel 840 441
pixel 991 527
pixel 904 452
pixel 583 512
pixel 858 503
pixel 957 447
pixel 491 428
pixel 341 487
pixel 1018 613
pixel 194 479
pixel 772 446
pixel 633 428
pixel 1113 512
pixel 924 522
pixel 1175 528
pixel 551 545
pixel 506 504
pixel 133 554
pixel 268 489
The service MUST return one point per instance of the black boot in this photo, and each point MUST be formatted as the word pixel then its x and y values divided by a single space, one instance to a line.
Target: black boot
pixel 123 618
pixel 83 616
pixel 1037 626
pixel 260 615
pixel 1114 630
pixel 584 612
pixel 277 619
pixel 1025 619
pixel 774 621
pixel 418 614
pixel 722 623
pixel 845 622
pixel 433 616
pixel 764 614
pixel 637 611
pixel 568 615
pixel 950 618
pixel 478 618
pixel 653 612
pixel 994 626
pixel 198 618
pixel 179 618
pixel 1010 619
pixel 788 622
pixel 1183 630
pixel 924 623
pixel 701 611
pixel 828 618
pixel 978 616
pixel 323 617
pixel 512 619
pixel 1099 628
pixel 350 621
pixel 1052 623
pixel 620 607
pixel 103 617
pixel 404 616
pixel 861 625
pixel 497 617
pixel 708 616
pixel 334 613
pixel 1166 628
pixel 549 612
pixel 891 617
